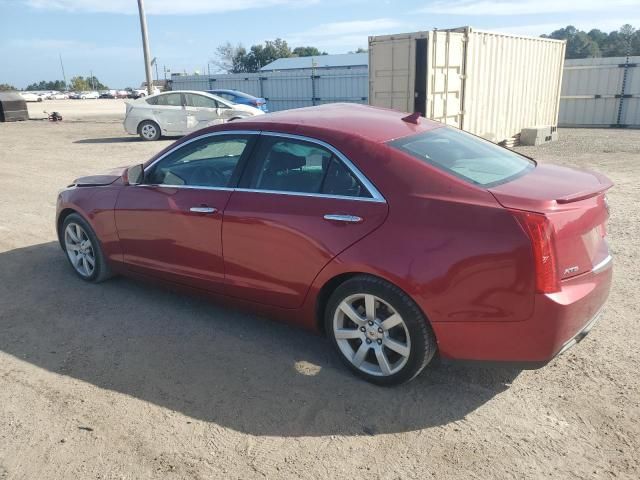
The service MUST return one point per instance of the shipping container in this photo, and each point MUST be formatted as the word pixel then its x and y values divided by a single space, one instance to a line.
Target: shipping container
pixel 601 92
pixel 487 83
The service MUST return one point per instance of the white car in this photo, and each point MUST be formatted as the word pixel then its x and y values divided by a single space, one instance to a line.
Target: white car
pixel 180 113
pixel 86 95
pixel 59 96
pixel 31 96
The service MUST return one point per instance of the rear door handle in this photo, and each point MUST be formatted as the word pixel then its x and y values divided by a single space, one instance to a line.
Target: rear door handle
pixel 343 218
pixel 203 210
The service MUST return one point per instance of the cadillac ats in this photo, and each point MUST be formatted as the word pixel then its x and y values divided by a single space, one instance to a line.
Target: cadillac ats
pixel 397 237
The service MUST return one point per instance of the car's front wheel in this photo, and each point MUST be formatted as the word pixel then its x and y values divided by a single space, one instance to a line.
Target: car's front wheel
pixel 83 249
pixel 149 131
pixel 378 331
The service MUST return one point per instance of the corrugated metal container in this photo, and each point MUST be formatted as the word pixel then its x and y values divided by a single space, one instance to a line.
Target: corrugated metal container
pixel 289 88
pixel 601 92
pixel 490 84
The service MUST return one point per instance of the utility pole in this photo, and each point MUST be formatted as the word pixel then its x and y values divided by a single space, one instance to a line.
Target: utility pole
pixel 64 77
pixel 145 47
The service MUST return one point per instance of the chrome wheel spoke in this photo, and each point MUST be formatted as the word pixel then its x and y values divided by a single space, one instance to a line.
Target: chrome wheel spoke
pixel 354 316
pixel 360 354
pixel 393 321
pixel 73 247
pixel 91 262
pixel 399 348
pixel 348 334
pixel 383 361
pixel 370 307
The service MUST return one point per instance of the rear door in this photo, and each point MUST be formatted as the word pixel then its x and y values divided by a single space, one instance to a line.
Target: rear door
pixel 169 112
pixel 299 204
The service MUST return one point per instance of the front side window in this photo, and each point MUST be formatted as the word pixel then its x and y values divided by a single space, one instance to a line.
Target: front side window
pixel 208 162
pixel 468 157
pixel 200 101
pixel 291 165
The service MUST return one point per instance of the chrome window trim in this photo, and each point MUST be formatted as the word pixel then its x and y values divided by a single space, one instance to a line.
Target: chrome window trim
pixel 303 194
pixel 186 187
pixel 376 196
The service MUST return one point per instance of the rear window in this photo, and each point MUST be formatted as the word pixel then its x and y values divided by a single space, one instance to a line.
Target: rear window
pixel 468 157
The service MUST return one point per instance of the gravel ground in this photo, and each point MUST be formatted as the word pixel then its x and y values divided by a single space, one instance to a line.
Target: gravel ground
pixel 128 381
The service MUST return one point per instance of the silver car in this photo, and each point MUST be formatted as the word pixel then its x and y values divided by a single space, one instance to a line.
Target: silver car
pixel 180 112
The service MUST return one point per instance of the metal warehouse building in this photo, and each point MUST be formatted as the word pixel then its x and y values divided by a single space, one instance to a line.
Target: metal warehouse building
pixel 294 82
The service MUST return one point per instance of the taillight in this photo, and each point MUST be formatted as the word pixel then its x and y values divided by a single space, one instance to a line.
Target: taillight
pixel 540 232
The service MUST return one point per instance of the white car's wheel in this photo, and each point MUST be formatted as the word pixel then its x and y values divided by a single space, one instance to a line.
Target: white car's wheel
pixel 149 131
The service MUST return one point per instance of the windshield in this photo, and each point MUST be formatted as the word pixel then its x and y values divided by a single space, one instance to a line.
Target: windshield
pixel 466 156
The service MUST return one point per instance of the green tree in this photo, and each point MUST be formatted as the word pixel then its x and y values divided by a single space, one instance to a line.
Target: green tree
pixel 80 83
pixel 5 87
pixel 597 43
pixel 237 59
pixel 47 85
pixel 307 52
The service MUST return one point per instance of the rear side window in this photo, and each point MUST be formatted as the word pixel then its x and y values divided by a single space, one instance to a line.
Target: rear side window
pixel 291 165
pixel 468 157
pixel 169 99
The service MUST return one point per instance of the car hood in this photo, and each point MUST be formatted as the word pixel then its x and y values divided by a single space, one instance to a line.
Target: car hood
pixel 101 179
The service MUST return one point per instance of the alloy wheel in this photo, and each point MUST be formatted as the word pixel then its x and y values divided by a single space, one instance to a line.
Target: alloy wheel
pixel 148 131
pixel 371 334
pixel 80 250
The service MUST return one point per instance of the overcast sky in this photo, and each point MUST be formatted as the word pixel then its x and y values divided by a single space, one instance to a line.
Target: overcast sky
pixel 103 36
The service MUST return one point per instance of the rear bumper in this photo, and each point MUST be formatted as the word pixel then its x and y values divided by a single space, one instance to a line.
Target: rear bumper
pixel 558 322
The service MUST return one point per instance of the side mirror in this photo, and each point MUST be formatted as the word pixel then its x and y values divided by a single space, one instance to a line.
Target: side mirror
pixel 134 175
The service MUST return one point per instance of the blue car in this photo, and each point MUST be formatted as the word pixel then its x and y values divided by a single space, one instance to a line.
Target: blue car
pixel 243 98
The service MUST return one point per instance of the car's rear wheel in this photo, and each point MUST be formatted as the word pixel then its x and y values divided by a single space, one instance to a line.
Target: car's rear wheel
pixel 83 249
pixel 149 131
pixel 378 331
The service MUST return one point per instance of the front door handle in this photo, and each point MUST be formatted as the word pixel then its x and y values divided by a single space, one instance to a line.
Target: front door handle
pixel 203 210
pixel 343 218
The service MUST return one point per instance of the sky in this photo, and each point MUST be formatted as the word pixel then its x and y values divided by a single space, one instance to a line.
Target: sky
pixel 103 36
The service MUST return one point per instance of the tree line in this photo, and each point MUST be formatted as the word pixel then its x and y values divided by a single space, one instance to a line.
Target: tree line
pixel 78 84
pixel 596 43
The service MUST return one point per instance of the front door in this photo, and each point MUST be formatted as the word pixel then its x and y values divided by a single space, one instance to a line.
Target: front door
pixel 171 225
pixel 298 206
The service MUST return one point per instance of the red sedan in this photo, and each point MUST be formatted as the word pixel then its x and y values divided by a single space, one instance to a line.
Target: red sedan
pixel 398 237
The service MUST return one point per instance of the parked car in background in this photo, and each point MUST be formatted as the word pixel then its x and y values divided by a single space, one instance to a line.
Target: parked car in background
pixel 122 94
pixel 89 95
pixel 397 237
pixel 180 112
pixel 107 94
pixel 31 96
pixel 60 96
pixel 142 92
pixel 242 98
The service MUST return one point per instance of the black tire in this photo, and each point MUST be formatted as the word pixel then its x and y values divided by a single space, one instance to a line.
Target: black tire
pixel 101 270
pixel 422 340
pixel 145 127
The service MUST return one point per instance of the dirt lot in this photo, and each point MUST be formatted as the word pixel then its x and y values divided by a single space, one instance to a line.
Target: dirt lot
pixel 126 381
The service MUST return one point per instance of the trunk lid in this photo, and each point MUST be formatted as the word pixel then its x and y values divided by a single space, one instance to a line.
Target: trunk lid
pixel 575 204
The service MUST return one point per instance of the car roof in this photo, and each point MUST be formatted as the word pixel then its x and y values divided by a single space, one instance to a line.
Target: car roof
pixel 237 93
pixel 324 121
